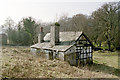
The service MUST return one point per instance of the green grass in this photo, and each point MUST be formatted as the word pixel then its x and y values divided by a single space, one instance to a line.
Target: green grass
pixel 107 58
pixel 103 46
pixel 106 62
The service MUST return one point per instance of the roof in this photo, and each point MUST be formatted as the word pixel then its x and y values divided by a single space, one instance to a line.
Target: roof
pixel 46 45
pixel 65 36
pixel 66 41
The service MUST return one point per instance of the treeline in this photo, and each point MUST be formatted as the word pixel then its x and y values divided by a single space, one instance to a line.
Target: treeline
pixel 102 27
pixel 24 33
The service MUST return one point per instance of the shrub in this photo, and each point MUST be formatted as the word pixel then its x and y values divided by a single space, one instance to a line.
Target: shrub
pixel 57 24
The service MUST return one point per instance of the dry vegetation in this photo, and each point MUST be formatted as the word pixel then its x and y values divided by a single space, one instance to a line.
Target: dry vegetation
pixel 18 62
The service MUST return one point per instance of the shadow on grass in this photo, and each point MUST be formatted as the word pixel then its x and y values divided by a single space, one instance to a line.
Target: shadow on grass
pixel 104 68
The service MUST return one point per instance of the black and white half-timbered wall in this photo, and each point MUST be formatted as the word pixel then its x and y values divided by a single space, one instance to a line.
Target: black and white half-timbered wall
pixel 83 50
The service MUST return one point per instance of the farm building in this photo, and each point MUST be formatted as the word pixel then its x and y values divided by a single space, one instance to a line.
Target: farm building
pixel 3 38
pixel 73 47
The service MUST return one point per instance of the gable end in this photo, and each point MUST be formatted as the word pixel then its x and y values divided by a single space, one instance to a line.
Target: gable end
pixel 85 38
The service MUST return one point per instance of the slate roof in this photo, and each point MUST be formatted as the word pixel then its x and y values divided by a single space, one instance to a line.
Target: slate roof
pixel 66 41
pixel 65 36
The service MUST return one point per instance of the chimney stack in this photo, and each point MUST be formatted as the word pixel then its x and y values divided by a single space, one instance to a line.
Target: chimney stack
pixel 41 35
pixel 54 37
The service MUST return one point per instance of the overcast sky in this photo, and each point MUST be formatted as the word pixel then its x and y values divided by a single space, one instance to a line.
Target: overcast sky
pixel 46 10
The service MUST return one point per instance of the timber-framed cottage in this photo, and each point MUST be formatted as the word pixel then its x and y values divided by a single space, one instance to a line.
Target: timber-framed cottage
pixel 73 47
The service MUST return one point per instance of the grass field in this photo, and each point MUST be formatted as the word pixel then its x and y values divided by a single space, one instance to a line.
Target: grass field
pixel 18 62
pixel 107 62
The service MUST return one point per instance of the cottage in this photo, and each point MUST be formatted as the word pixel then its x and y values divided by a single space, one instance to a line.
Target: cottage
pixel 73 47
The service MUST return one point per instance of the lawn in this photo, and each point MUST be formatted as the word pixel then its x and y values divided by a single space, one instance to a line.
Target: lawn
pixel 106 57
pixel 106 62
pixel 18 62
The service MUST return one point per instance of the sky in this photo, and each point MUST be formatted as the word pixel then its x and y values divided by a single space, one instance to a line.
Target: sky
pixel 46 10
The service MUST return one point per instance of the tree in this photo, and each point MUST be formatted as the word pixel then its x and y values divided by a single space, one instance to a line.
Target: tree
pixel 118 45
pixel 24 33
pixel 22 38
pixel 79 22
pixel 97 27
pixel 9 23
pixel 64 22
pixel 117 39
pixel 30 27
pixel 106 17
pixel 8 26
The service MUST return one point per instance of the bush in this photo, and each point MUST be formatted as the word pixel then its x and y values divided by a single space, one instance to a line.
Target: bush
pixel 57 24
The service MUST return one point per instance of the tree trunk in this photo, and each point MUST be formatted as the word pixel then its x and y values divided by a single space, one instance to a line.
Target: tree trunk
pixel 95 42
pixel 109 45
pixel 99 44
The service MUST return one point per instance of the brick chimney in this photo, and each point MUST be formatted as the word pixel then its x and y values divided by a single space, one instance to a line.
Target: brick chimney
pixel 41 35
pixel 54 37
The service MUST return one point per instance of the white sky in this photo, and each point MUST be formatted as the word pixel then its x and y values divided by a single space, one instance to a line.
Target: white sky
pixel 46 10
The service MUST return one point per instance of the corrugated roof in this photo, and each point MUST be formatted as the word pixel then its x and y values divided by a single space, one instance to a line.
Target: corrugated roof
pixel 66 39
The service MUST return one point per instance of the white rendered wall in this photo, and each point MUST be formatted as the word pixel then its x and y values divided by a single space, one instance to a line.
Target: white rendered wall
pixel 71 50
pixel 61 56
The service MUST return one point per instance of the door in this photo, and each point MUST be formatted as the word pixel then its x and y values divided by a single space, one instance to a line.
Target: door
pixel 51 55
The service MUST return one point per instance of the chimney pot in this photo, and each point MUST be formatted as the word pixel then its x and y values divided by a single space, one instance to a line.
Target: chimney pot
pixel 41 29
